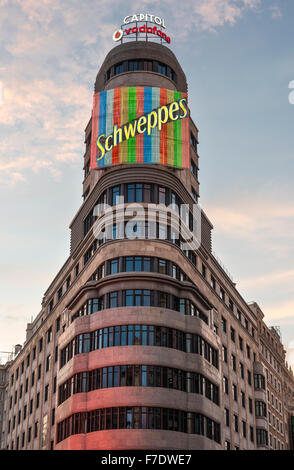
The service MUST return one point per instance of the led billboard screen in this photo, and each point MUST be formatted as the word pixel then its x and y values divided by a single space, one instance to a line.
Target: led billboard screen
pixel 140 125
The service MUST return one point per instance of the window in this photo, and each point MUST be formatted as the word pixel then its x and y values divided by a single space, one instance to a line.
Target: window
pixel 138 298
pixel 138 418
pixel 147 335
pixel 48 360
pixel 68 282
pixel 139 375
pixel 56 354
pixel 135 192
pixel 134 65
pixel 233 359
pixel 243 399
pixel 77 269
pixel 40 344
pixel 251 434
pixel 193 168
pixel 36 429
pixel 46 393
pixel 49 335
pixel 234 389
pixel 259 382
pixel 246 323
pixel 240 343
pixel 53 417
pixel 241 370
pixel 249 377
pixel 114 267
pixel 260 409
pixel 162 69
pixel 162 266
pixel 161 195
pixel 193 141
pixel 118 68
pixel 227 417
pixel 261 437
pixel 225 354
pixel 59 293
pixel 113 299
pixel 222 294
pixel 204 271
pixel 232 334
pixel 244 428
pixel 114 195
pixel 231 305
pixel 236 423
pixel 225 384
pixel 194 194
pixel 213 283
pixel 224 325
pixel 57 324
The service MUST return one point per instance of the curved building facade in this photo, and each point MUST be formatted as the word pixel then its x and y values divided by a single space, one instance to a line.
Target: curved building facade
pixel 149 340
pixel 141 343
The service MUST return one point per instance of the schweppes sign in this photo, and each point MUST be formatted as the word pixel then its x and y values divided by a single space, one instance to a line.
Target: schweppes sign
pixel 140 125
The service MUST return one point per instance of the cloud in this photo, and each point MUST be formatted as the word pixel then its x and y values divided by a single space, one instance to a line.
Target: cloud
pixel 209 15
pixel 271 279
pixel 46 81
pixel 205 15
pixel 276 310
pixel 269 225
pixel 51 51
pixel 276 12
pixel 262 232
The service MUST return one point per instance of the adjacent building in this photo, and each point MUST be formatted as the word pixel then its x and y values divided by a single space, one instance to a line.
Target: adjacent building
pixel 142 343
pixel 6 359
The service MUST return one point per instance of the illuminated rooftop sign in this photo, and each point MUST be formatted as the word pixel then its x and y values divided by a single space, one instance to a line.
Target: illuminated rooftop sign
pixel 140 27
pixel 145 17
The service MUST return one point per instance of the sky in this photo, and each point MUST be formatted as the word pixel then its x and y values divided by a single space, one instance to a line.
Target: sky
pixel 238 59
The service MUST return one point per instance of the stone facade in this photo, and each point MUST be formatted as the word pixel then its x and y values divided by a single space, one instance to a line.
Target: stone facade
pixel 4 372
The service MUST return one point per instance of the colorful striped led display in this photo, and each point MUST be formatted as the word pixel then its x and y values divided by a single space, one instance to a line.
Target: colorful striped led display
pixel 140 125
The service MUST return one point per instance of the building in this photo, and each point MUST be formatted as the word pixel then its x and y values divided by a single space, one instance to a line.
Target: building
pixel 279 384
pixel 6 359
pixel 142 343
pixel 3 385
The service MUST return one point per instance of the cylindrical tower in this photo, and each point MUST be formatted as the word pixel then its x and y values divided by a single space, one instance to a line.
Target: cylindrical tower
pixel 139 356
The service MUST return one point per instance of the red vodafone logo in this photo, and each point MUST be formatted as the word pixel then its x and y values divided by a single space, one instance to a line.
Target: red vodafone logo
pixel 149 30
pixel 117 35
